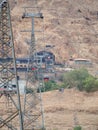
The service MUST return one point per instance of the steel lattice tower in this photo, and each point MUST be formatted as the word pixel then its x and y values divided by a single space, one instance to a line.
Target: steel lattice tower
pixel 10 106
pixel 33 114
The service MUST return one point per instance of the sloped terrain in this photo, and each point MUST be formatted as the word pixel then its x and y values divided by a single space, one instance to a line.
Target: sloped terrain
pixel 72 26
pixel 65 109
pixel 69 25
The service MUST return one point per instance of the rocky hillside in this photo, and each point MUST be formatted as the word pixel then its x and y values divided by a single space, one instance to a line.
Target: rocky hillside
pixel 70 25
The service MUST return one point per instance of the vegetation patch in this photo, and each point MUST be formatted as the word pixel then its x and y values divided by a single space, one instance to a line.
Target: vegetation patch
pixel 49 85
pixel 77 128
pixel 81 80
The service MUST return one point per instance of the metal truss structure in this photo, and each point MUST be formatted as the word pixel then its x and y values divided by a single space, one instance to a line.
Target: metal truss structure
pixel 33 113
pixel 10 105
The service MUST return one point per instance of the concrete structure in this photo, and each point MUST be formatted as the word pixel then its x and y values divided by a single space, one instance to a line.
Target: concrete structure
pixel 22 84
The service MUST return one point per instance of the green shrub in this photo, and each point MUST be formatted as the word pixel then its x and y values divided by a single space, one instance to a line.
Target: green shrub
pixel 75 78
pixel 50 85
pixel 80 79
pixel 90 84
pixel 77 128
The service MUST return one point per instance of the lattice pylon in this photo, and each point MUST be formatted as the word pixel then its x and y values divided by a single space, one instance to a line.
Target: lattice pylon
pixel 33 114
pixel 10 110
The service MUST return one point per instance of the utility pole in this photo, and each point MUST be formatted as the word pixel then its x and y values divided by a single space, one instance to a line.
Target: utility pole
pixel 33 113
pixel 10 105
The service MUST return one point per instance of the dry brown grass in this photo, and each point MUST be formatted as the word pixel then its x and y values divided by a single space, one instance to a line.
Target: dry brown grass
pixel 66 27
pixel 60 108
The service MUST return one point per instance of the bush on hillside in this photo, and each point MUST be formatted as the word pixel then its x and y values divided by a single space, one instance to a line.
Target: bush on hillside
pixel 80 79
pixel 90 84
pixel 77 128
pixel 49 85
pixel 75 78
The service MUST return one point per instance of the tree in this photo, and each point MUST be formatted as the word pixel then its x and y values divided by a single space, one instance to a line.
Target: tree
pixel 75 78
pixel 90 84
pixel 80 79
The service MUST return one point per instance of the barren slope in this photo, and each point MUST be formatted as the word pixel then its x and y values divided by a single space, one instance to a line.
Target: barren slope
pixel 60 109
pixel 69 25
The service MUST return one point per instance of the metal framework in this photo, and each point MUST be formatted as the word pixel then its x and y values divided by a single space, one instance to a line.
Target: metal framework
pixel 10 106
pixel 33 113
